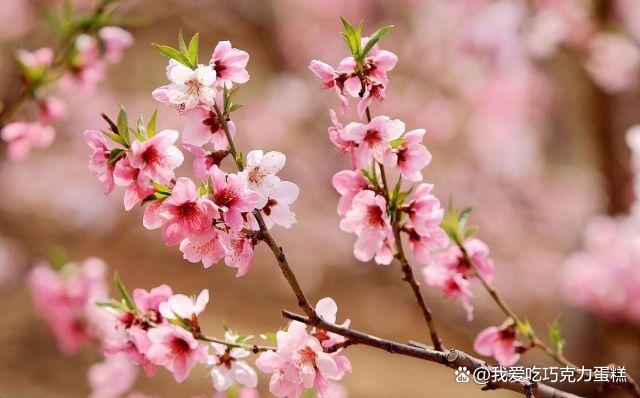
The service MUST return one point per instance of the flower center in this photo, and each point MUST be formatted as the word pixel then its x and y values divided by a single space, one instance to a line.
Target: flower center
pixel 374 216
pixel 213 122
pixel 219 67
pixel 226 359
pixel 372 137
pixel 179 346
pixel 256 175
pixel 188 209
pixel 150 155
pixel 193 86
pixel 226 197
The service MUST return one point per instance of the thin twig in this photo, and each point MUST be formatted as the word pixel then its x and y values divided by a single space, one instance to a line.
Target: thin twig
pixel 249 347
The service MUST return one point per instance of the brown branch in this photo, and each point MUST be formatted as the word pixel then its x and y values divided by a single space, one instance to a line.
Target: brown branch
pixel 264 234
pixel 407 271
pixel 452 358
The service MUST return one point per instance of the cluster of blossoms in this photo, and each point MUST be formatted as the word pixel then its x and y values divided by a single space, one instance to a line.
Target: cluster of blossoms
pixel 306 359
pixel 220 216
pixel 79 68
pixel 211 218
pixel 158 328
pixel 379 216
pixel 65 299
pixel 366 206
pixel 604 276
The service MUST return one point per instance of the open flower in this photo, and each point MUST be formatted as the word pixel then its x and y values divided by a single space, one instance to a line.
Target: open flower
pixel 99 161
pixel 189 88
pixel 500 343
pixel 148 302
pixel 185 212
pixel 454 285
pixel 239 251
pixel 206 127
pixel 138 185
pixel 425 212
pixel 348 183
pixel 112 377
pixel 300 362
pixel 276 210
pixel 260 173
pixel 176 349
pixel 157 157
pixel 203 247
pixel 227 365
pixel 412 156
pixel 368 219
pixel 232 196
pixel 373 140
pixel 230 64
pixel 183 306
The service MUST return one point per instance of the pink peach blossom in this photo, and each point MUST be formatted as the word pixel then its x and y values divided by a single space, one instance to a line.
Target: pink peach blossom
pixel 115 40
pixel 348 183
pixel 412 156
pixel 52 110
pixel 368 219
pixel 99 162
pixel 39 59
pixel 239 251
pixel 148 302
pixel 232 196
pixel 500 343
pixel 185 212
pixel 230 64
pixel 157 157
pixel 203 247
pixel 227 365
pixel 206 127
pixel 184 307
pixel 299 362
pixel 373 140
pixel 138 186
pixel 453 285
pixel 189 88
pixel 176 349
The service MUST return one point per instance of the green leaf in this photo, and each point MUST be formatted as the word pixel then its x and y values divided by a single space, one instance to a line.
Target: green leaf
pixel 525 328
pixel 115 154
pixel 192 51
pixel 161 188
pixel 351 39
pixel 111 304
pixel 123 292
pixel 141 130
pixel 555 334
pixel 58 257
pixel 181 45
pixel 235 107
pixel 123 125
pixel 151 126
pixel 470 232
pixel 397 142
pixel 114 137
pixel 463 217
pixel 375 37
pixel 172 53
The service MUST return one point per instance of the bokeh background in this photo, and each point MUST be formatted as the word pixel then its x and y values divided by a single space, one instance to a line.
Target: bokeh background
pixel 526 105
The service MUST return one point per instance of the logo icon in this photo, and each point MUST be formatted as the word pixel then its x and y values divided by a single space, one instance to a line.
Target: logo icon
pixel 462 374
